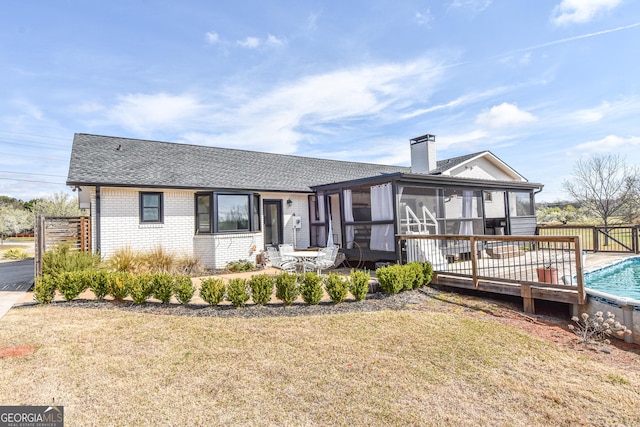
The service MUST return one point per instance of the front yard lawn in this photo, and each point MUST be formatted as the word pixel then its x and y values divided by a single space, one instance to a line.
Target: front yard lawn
pixel 413 367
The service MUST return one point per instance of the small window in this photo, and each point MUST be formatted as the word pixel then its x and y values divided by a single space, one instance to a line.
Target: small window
pixel 203 213
pixel 151 207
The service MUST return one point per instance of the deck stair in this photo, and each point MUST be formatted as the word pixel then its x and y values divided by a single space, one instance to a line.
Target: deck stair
pixel 504 251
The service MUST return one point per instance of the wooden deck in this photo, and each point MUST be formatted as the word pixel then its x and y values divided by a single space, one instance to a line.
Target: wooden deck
pixel 508 265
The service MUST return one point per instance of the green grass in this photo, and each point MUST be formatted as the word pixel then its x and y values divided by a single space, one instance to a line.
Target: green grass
pixel 383 368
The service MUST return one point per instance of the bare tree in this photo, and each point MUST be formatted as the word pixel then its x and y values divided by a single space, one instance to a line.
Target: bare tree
pixel 604 184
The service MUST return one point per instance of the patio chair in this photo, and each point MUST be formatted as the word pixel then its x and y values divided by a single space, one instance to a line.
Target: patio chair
pixel 283 263
pixel 285 248
pixel 326 259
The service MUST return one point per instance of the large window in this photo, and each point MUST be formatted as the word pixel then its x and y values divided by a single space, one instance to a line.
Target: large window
pixel 151 210
pixel 224 212
pixel 232 212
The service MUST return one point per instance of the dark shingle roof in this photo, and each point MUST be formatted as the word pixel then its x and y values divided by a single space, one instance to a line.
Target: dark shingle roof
pixel 106 160
pixel 445 165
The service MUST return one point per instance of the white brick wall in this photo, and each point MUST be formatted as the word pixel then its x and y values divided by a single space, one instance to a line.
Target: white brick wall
pixel 120 222
pixel 216 250
pixel 120 227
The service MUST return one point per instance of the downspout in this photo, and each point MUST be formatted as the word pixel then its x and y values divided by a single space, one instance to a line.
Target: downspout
pixel 535 213
pixel 97 219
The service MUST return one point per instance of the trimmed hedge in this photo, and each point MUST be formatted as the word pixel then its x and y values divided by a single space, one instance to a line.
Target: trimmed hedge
pixel 396 278
pixel 336 286
pixel 212 290
pixel 287 289
pixel 359 284
pixel 261 288
pixel 311 288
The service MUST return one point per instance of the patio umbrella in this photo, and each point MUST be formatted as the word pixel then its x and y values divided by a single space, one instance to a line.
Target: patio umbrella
pixel 330 237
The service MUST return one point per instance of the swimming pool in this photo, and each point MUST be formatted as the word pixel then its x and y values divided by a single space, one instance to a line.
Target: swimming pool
pixel 621 279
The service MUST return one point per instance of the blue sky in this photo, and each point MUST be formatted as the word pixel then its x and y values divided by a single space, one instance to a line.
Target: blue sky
pixel 538 83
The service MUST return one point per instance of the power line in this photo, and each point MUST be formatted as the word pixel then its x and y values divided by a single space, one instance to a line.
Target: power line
pixel 35 144
pixel 29 173
pixel 32 180
pixel 37 136
pixel 33 157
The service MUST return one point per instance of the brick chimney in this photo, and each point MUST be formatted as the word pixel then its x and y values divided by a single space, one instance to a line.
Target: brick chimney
pixel 423 154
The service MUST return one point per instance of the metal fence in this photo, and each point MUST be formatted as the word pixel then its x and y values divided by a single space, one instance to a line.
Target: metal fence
pixel 597 238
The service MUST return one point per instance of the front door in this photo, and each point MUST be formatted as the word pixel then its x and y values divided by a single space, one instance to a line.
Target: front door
pixel 272 222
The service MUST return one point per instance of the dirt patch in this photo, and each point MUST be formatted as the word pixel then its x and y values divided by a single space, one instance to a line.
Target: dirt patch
pixel 17 351
pixel 550 325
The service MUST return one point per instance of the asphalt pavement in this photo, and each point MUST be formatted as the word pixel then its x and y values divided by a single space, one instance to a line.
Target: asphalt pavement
pixel 16 277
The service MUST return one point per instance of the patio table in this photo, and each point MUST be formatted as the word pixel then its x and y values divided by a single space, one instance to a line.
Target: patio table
pixel 304 258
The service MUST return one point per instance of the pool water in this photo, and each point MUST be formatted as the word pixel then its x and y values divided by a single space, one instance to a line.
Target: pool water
pixel 621 279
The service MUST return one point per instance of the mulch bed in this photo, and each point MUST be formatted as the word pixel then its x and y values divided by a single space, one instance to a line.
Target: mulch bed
pixel 373 302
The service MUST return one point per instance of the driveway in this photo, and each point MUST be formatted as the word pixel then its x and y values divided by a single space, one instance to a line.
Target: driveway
pixel 16 277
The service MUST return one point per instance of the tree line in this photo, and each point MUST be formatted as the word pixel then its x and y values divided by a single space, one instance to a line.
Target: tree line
pixel 605 190
pixel 17 216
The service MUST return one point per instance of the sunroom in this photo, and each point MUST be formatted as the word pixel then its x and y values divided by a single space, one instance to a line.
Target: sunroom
pixel 364 216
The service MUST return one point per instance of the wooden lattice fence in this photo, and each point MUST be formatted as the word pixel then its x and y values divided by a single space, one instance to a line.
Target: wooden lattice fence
pixel 51 231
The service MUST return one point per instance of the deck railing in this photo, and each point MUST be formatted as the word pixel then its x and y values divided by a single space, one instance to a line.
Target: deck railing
pixel 598 239
pixel 551 265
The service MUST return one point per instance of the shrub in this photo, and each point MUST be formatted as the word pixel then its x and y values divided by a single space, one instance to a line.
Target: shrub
pixel 212 290
pixel 336 286
pixel 71 284
pixel 124 259
pixel 61 258
pixel 238 291
pixel 413 275
pixel 188 265
pixel 427 272
pixel 359 284
pixel 286 288
pixel 15 253
pixel 162 287
pixel 597 328
pixel 118 285
pixel 311 288
pixel 141 288
pixel 159 260
pixel 45 289
pixel 98 282
pixel 241 265
pixel 391 279
pixel 183 289
pixel 261 288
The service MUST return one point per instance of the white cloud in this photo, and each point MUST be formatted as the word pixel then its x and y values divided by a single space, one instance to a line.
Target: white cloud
pixel 322 103
pixel 250 43
pixel 472 137
pixel 590 115
pixel 504 115
pixel 256 42
pixel 212 37
pixel 473 6
pixel 88 107
pixel 145 114
pixel 609 143
pixel 580 11
pixel 274 41
pixel 424 19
